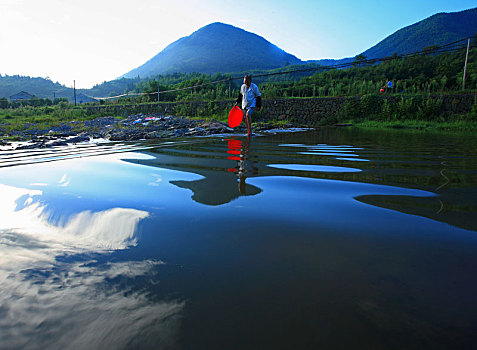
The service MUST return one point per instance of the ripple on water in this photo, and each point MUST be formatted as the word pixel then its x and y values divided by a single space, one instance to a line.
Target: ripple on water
pixel 316 168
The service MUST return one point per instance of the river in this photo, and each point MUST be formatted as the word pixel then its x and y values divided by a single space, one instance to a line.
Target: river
pixel 333 239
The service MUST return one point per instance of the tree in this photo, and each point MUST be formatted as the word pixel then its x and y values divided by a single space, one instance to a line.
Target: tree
pixel 359 60
pixel 430 49
pixel 4 102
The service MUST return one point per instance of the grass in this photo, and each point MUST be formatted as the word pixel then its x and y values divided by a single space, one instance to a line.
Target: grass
pixel 454 125
pixel 40 118
pixel 221 117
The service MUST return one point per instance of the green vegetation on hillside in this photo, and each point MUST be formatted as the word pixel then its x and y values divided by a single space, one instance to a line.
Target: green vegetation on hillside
pixel 46 89
pixel 421 74
pixel 439 29
pixel 412 75
pixel 40 87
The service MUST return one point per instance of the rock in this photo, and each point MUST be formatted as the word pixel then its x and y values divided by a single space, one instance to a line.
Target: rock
pixel 178 132
pixel 65 134
pixel 156 135
pixel 32 146
pixel 135 135
pixel 217 128
pixel 116 135
pixel 57 143
pixel 79 138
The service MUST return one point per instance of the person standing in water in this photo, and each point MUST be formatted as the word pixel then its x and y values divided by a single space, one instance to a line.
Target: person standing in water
pixel 251 100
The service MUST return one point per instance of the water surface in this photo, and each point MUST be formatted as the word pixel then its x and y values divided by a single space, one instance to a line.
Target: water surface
pixel 333 239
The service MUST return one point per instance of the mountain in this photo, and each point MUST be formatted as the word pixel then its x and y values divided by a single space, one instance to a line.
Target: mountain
pixel 45 88
pixel 332 62
pixel 40 87
pixel 216 48
pixel 439 29
pixel 223 48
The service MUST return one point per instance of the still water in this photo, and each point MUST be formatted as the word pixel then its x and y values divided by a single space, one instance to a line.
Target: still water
pixel 332 239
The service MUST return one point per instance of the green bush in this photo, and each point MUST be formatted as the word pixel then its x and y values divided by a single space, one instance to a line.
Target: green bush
pixel 430 109
pixel 4 103
pixel 406 108
pixel 351 110
pixel 371 105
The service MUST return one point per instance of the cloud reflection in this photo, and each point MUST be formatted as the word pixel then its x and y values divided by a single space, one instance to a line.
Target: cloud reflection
pixel 52 303
pixel 64 181
pixel 75 308
pixel 25 216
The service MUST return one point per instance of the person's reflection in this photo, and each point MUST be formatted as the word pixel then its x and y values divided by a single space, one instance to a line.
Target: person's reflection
pixel 214 187
pixel 239 151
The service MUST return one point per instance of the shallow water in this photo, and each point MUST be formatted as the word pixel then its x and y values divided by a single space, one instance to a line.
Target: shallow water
pixel 339 238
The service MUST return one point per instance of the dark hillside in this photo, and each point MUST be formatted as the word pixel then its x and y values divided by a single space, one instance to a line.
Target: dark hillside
pixel 438 29
pixel 216 48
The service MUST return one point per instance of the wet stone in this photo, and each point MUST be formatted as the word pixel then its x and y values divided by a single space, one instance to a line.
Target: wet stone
pixel 133 127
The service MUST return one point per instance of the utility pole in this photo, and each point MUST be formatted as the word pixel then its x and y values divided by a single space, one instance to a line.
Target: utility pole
pixel 74 89
pixel 157 91
pixel 465 65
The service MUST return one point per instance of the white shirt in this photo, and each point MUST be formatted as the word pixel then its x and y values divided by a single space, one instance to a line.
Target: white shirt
pixel 249 95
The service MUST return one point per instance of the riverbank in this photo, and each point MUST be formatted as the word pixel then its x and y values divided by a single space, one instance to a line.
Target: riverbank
pixel 310 112
pixel 63 124
pixel 134 127
pixel 158 126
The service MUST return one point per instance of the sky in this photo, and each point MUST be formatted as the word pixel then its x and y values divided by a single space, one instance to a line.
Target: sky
pixel 92 41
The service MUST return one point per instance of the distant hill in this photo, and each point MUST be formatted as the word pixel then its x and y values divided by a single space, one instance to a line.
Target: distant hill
pixel 45 88
pixel 216 48
pixel 332 62
pixel 40 87
pixel 112 88
pixel 208 49
pixel 439 29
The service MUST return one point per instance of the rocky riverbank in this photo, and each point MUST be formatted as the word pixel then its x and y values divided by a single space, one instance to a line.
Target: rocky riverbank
pixel 135 127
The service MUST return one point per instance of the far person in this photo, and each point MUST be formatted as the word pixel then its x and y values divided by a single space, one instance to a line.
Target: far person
pixel 389 86
pixel 251 100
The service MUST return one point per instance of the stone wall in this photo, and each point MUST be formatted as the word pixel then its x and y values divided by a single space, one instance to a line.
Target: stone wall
pixel 192 108
pixel 309 111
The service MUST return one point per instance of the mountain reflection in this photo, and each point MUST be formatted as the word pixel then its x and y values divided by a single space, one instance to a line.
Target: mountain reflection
pixel 433 208
pixel 50 300
pixel 223 176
